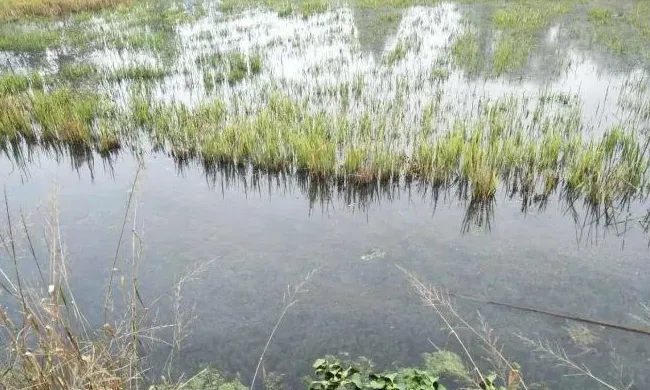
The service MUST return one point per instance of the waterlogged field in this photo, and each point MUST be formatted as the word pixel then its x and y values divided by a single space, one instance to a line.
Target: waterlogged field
pixel 486 106
pixel 475 96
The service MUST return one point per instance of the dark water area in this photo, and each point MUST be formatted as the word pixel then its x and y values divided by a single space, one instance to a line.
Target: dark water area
pixel 259 239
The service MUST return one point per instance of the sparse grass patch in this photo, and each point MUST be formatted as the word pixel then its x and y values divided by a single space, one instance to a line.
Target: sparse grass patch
pixel 24 39
pixel 140 40
pixel 240 66
pixel 396 54
pixel 511 52
pixel 466 51
pixel 599 15
pixel 77 71
pixel 284 8
pixel 139 73
pixel 306 8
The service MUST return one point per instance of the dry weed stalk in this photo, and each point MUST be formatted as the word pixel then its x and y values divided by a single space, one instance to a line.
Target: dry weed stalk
pixel 289 299
pixel 556 353
pixel 48 342
pixel 441 303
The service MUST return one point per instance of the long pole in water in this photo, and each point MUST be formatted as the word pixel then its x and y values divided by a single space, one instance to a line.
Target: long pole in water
pixel 644 331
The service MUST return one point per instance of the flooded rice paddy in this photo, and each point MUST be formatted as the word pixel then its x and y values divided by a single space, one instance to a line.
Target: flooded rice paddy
pixel 497 150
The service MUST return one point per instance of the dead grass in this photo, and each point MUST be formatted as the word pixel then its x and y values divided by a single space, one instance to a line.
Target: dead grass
pixel 18 9
pixel 47 342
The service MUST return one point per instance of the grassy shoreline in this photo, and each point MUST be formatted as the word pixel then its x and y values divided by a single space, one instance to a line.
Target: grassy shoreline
pixel 12 10
pixel 481 153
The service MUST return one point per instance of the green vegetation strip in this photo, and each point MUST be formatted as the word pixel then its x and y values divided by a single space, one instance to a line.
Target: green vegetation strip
pixel 19 9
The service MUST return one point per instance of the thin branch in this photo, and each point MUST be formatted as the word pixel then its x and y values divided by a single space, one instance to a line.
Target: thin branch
pixel 289 299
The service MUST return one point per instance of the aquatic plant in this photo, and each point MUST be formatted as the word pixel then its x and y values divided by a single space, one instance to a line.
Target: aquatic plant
pixel 139 73
pixel 77 71
pixel 28 39
pixel 14 122
pixel 466 51
pixel 240 66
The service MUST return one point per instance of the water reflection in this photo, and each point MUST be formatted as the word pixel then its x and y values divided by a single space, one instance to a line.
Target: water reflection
pixel 591 220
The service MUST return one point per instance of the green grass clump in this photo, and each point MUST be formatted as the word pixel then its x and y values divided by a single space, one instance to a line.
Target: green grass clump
pixel 534 155
pixel 240 66
pixel 76 72
pixel 284 8
pixel 466 51
pixel 12 83
pixel 396 54
pixel 213 60
pixel 353 161
pixel 107 141
pixel 140 40
pixel 19 9
pixel 511 52
pixel 22 39
pixel 139 73
pixel 599 15
pixel 66 115
pixel 518 17
pixel 308 8
pixel 14 121
pixel 233 66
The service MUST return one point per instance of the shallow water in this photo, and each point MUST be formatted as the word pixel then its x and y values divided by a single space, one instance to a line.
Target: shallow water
pixel 263 237
pixel 359 302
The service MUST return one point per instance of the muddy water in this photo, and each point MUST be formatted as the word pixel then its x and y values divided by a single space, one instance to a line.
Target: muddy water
pixel 261 238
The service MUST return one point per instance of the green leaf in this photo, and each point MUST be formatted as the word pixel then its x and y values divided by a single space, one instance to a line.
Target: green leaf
pixel 319 363
pixel 391 377
pixel 356 380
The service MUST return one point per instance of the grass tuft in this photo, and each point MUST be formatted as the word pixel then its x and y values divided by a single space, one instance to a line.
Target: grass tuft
pixel 20 9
